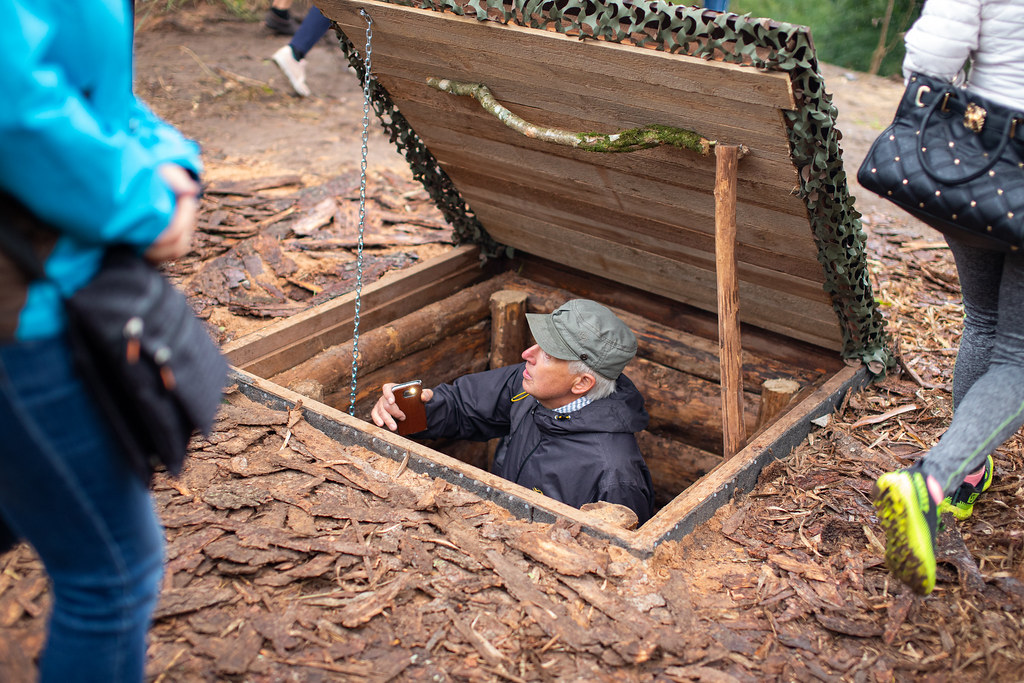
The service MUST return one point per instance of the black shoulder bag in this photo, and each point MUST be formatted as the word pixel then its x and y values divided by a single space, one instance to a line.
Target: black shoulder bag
pixel 150 364
pixel 954 160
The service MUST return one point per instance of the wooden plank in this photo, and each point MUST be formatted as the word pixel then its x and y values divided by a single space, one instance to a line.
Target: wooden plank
pixel 665 189
pixel 640 255
pixel 519 228
pixel 394 339
pixel 649 224
pixel 444 121
pixel 290 341
pixel 808 319
pixel 459 38
pixel 554 104
pixel 454 356
pixel 687 406
pixel 764 184
pixel 675 465
pixel 733 431
pixel 503 215
pixel 673 314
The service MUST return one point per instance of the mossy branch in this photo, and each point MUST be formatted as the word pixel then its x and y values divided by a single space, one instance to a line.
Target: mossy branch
pixel 630 140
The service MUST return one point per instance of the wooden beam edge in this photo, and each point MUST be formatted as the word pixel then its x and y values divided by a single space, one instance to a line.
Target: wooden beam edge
pixel 340 12
pixel 250 349
pixel 348 430
pixel 677 519
pixel 699 502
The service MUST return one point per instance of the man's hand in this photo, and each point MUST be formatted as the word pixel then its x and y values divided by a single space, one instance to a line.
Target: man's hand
pixel 386 414
pixel 176 239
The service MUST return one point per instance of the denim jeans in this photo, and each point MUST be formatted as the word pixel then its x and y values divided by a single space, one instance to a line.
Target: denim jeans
pixel 312 29
pixel 66 489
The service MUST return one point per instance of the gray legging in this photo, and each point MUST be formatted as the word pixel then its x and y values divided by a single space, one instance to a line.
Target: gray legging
pixel 988 380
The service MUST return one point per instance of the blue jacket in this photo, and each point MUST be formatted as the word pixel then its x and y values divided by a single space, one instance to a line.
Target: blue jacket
pixel 580 457
pixel 76 147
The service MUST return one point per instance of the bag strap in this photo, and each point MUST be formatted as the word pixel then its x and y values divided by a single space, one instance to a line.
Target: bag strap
pixel 15 219
pixel 994 157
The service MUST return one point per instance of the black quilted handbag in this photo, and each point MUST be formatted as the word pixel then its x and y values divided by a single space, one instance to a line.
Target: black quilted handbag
pixel 955 161
pixel 152 367
pixel 154 371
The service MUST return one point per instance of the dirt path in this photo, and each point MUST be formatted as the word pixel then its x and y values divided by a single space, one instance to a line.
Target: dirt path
pixel 212 76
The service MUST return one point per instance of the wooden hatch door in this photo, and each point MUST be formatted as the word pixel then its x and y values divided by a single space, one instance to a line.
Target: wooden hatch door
pixel 645 218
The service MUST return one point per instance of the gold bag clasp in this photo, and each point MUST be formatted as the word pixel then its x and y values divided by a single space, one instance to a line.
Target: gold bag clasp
pixel 974 117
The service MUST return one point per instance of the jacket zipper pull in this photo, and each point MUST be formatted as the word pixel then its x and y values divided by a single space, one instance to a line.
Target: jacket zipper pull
pixel 161 358
pixel 133 335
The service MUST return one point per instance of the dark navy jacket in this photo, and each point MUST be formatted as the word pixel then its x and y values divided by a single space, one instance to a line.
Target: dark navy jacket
pixel 577 458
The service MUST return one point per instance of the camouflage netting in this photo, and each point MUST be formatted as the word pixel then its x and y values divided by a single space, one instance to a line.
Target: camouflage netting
pixel 813 136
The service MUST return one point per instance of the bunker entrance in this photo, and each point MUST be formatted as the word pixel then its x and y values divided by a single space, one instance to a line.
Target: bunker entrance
pixel 725 237
pixel 481 324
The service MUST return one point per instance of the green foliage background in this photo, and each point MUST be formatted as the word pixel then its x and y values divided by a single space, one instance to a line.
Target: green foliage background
pixel 846 32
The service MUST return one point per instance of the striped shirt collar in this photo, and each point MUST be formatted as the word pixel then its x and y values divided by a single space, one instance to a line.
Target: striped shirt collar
pixel 579 403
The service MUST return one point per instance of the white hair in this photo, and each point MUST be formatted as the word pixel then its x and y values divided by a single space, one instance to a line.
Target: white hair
pixel 602 385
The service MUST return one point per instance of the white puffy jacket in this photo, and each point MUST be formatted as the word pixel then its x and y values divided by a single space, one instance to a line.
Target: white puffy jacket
pixel 988 32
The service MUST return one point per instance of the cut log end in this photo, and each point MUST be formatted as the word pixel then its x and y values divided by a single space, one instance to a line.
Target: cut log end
pixel 775 396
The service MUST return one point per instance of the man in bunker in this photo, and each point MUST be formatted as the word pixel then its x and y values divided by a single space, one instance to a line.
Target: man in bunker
pixel 567 415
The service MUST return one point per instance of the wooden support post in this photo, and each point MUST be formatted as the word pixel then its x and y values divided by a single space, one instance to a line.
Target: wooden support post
pixel 508 327
pixel 775 395
pixel 733 431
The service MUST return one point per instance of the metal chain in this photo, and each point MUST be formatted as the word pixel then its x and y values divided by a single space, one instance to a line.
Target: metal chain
pixel 362 207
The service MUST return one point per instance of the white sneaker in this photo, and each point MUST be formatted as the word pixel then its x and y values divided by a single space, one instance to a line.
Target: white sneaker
pixel 294 70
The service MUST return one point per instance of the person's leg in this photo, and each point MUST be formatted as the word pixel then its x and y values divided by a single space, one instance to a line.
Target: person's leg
pixel 279 18
pixel 992 408
pixel 980 272
pixel 66 488
pixel 291 57
pixel 8 539
pixel 990 411
pixel 312 29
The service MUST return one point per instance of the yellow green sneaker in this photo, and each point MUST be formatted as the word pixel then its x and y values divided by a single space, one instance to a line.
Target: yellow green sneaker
pixel 961 503
pixel 910 521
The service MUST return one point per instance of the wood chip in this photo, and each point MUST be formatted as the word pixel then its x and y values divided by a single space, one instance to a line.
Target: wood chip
pixel 564 556
pixel 360 612
pixel 896 614
pixel 252 185
pixel 849 627
pixel 811 571
pixel 877 419
pixel 177 601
